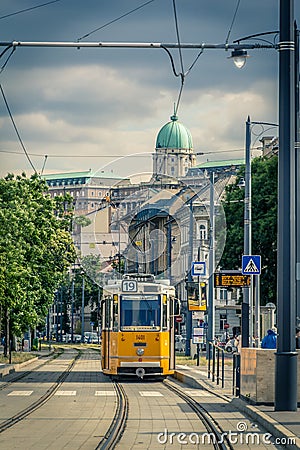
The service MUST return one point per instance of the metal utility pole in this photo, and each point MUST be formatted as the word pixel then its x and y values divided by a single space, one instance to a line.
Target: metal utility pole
pixel 169 249
pixel 72 308
pixel 297 138
pixel 189 318
pixel 82 309
pixel 247 234
pixel 286 356
pixel 211 261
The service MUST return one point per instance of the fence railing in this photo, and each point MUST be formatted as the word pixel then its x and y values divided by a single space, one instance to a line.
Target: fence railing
pixel 216 367
pixel 236 378
pixel 216 363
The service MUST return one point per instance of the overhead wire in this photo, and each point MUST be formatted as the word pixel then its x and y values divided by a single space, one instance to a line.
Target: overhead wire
pixel 181 74
pixel 232 22
pixel 7 59
pixel 28 9
pixel 114 20
pixel 115 156
pixel 76 156
pixel 16 129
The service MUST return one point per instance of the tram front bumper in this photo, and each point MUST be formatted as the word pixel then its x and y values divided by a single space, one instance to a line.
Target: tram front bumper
pixel 137 368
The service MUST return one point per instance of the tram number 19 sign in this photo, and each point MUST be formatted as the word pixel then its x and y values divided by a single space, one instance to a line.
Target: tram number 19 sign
pixel 129 286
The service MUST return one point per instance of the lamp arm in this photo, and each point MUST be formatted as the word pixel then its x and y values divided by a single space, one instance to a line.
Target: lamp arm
pixel 255 35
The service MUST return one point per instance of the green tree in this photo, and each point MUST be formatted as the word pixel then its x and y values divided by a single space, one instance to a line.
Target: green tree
pixel 36 249
pixel 264 223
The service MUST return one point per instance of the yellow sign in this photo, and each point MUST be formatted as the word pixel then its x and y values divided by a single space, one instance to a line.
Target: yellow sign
pixel 197 304
pixel 232 280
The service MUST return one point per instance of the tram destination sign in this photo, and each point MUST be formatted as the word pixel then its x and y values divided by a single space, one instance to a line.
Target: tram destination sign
pixel 231 279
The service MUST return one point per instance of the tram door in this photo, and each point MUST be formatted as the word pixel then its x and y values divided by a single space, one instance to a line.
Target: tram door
pixel 174 310
pixel 172 333
pixel 106 331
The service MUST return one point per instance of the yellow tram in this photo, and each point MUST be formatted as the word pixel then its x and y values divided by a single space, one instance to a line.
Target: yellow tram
pixel 138 330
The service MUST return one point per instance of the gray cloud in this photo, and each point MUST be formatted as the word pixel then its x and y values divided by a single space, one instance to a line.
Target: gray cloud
pixel 98 101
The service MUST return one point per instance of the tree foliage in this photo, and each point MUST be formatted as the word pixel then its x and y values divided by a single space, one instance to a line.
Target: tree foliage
pixel 36 249
pixel 264 223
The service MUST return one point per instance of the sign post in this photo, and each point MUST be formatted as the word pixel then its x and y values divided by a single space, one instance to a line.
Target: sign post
pixel 251 265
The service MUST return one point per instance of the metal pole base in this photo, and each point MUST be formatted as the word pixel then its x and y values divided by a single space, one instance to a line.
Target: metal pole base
pixel 245 324
pixel 286 381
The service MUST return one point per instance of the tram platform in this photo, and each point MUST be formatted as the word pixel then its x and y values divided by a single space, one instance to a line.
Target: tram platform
pixel 280 424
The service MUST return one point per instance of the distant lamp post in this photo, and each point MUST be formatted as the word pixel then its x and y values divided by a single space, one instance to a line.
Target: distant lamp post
pixel 268 313
pixel 82 307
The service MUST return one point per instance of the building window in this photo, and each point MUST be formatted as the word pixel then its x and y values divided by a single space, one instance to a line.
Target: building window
pixel 223 294
pixel 202 232
pixel 223 320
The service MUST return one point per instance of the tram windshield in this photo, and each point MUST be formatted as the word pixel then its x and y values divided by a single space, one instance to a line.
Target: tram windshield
pixel 140 312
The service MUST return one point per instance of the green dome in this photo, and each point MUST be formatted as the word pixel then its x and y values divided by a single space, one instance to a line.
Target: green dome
pixel 174 135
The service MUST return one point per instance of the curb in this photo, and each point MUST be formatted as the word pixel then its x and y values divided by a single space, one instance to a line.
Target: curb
pixel 191 381
pixel 271 425
pixel 8 369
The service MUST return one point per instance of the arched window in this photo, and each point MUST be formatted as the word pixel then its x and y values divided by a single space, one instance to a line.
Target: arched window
pixel 202 232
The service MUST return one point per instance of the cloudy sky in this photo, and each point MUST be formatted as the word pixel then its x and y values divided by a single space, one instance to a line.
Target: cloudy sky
pixel 86 108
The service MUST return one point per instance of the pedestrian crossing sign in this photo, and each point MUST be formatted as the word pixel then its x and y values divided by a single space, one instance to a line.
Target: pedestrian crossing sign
pixel 251 264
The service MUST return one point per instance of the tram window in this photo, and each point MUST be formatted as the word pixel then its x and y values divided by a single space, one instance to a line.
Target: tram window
pixel 115 317
pixel 140 312
pixel 107 312
pixel 165 316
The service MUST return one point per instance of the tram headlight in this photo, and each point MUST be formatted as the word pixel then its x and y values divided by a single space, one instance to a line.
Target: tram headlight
pixel 140 351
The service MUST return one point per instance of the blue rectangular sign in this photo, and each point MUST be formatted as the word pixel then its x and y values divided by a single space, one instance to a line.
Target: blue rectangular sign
pixel 251 264
pixel 199 269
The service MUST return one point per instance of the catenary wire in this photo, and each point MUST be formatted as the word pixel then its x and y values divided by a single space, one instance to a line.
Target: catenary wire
pixel 233 19
pixel 178 38
pixel 115 156
pixel 7 59
pixel 16 129
pixel 181 74
pixel 29 9
pixel 76 156
pixel 114 20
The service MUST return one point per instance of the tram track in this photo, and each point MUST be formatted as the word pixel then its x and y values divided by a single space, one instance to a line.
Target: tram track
pixel 18 377
pixel 118 424
pixel 113 437
pixel 220 442
pixel 42 400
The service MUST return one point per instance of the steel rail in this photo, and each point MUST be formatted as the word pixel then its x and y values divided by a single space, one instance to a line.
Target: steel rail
pixel 118 424
pixel 221 442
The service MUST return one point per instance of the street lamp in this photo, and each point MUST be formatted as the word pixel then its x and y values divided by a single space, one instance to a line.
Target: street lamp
pixel 239 57
pixel 286 356
pixel 247 305
pixel 82 307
